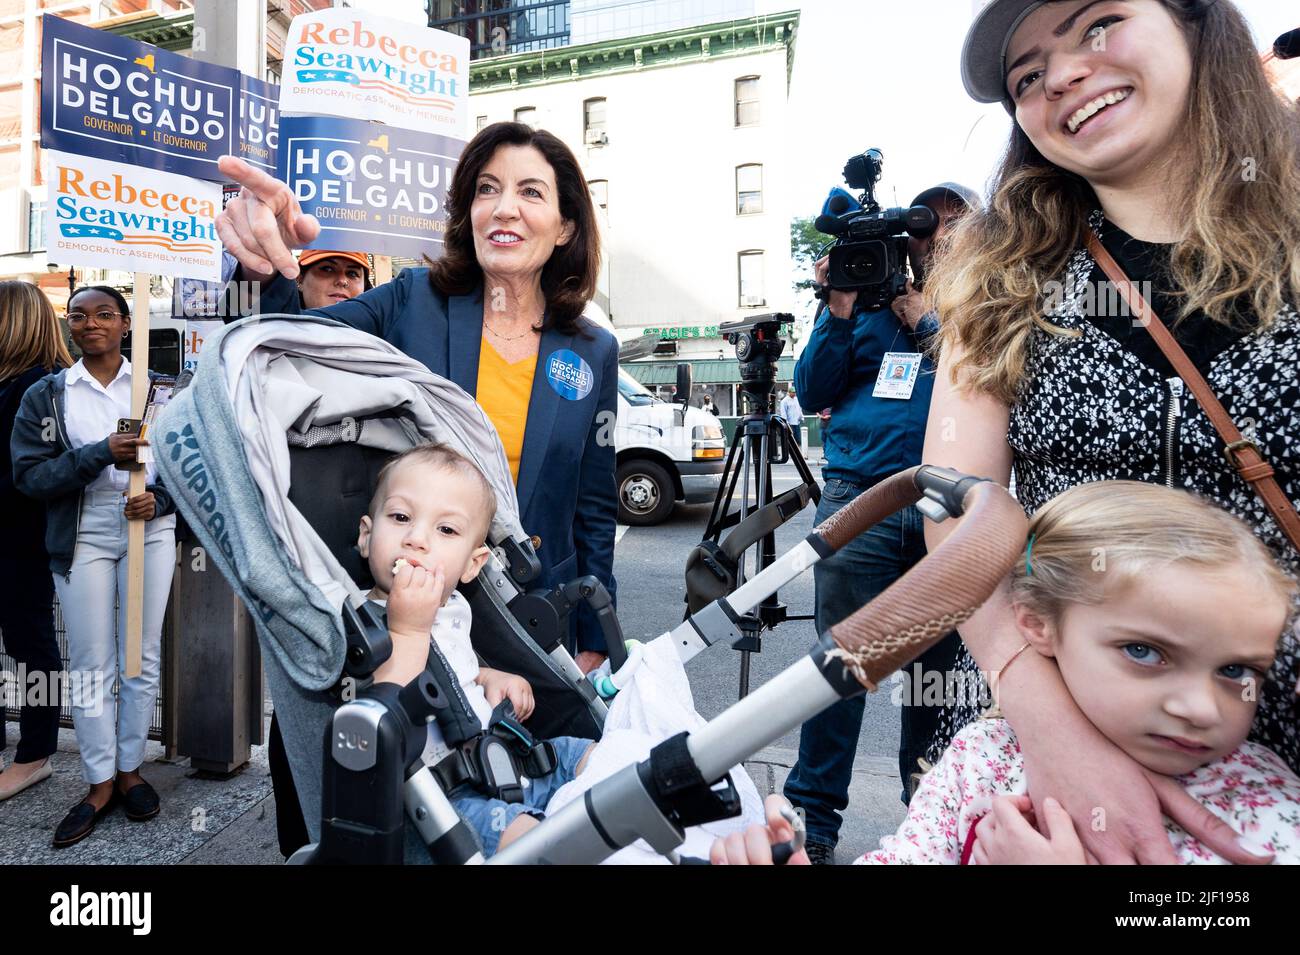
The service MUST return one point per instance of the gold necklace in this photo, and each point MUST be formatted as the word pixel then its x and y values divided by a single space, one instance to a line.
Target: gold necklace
pixel 504 338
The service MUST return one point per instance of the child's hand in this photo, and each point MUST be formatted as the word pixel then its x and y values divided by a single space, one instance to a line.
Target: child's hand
pixel 754 845
pixel 1006 836
pixel 498 686
pixel 414 601
pixel 412 604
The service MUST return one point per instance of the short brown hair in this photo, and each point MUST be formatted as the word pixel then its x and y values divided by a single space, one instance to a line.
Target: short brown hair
pixel 444 458
pixel 569 276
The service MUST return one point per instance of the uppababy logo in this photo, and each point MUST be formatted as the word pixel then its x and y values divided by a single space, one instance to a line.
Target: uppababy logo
pixel 184 447
pixel 103 908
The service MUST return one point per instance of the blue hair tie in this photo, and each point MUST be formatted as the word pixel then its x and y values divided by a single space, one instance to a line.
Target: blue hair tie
pixel 1029 557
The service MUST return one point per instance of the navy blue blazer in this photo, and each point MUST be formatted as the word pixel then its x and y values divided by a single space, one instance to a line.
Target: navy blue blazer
pixel 566 488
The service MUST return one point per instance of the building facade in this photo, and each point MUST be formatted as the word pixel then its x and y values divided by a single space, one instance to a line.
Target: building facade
pixel 496 27
pixel 683 137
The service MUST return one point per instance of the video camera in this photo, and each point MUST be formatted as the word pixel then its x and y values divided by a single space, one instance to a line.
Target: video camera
pixel 870 252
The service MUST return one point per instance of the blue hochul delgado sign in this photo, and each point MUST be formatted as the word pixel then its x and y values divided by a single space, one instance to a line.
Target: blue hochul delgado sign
pixel 373 188
pixel 105 96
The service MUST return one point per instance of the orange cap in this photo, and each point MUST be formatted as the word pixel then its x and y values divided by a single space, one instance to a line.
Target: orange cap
pixel 312 256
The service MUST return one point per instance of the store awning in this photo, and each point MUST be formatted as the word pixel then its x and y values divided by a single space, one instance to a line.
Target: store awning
pixel 707 371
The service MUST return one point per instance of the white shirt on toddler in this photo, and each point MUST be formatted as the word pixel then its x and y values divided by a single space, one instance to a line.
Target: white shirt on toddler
pixel 451 632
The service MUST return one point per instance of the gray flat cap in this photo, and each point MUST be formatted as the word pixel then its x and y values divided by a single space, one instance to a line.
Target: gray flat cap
pixel 984 54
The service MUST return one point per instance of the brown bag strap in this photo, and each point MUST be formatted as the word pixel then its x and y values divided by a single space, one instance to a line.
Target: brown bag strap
pixel 1242 453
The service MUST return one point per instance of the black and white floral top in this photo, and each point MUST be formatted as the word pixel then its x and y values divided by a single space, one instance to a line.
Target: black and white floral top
pixel 1107 405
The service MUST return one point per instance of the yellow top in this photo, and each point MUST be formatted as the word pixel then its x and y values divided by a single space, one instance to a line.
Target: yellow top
pixel 504 391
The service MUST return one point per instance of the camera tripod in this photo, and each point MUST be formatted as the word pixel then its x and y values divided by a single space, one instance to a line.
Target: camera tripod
pixel 762 438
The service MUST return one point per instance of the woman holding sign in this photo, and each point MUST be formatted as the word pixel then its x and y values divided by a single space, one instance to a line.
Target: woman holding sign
pixel 65 445
pixel 500 314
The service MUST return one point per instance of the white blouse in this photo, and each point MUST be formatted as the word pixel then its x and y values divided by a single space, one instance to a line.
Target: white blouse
pixel 90 413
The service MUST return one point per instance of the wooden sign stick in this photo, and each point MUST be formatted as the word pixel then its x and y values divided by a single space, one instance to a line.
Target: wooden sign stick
pixel 135 529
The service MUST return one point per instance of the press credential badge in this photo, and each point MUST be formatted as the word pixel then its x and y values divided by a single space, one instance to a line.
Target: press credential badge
pixel 898 374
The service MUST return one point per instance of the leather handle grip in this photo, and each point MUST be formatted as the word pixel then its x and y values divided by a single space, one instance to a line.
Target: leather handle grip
pixel 940 592
pixel 869 508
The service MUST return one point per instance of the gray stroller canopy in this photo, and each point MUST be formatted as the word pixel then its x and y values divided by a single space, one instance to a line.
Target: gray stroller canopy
pixel 222 448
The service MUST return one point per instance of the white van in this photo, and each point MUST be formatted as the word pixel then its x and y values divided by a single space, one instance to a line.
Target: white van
pixel 667 452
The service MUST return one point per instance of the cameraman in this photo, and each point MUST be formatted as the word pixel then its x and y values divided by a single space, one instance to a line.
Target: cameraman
pixel 872 368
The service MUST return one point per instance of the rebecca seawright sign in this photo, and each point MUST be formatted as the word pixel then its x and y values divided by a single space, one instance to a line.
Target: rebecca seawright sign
pixel 343 62
pixel 109 215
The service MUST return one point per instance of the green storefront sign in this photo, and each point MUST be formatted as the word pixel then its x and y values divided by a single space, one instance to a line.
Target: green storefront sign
pixel 683 331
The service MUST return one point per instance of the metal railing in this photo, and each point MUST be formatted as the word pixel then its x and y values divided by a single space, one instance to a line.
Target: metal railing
pixel 157 724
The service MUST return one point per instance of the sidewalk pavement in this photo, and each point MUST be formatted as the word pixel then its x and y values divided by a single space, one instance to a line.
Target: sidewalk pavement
pixel 212 821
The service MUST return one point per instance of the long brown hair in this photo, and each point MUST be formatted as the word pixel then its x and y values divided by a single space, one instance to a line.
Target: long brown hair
pixel 1241 241
pixel 30 335
pixel 569 276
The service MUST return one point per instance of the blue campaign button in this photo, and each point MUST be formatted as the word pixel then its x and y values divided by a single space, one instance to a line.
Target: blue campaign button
pixel 569 375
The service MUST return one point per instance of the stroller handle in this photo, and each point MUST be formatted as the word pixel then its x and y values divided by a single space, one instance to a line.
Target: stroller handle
pixel 942 591
pixel 940 491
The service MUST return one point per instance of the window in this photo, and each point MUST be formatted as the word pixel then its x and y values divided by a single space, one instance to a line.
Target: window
pixel 593 122
pixel 527 115
pixel 480 122
pixel 751 278
pixel 749 189
pixel 747 101
pixel 36 226
pixel 600 193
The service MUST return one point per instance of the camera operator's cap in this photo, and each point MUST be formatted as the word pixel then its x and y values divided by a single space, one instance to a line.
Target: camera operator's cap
pixel 984 54
pixel 949 190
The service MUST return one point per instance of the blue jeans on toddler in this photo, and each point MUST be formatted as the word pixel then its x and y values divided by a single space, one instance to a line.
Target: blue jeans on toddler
pixel 490 817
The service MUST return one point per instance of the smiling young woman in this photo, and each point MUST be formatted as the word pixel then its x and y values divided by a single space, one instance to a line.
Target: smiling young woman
pixel 1151 125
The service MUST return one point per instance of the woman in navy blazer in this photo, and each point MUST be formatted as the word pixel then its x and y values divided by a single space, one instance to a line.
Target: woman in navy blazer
pixel 522 228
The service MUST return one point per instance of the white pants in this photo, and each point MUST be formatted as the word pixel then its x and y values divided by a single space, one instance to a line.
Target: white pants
pixel 112 737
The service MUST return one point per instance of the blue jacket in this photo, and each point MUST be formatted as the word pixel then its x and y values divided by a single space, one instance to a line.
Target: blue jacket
pixel 867 438
pixel 566 488
pixel 57 473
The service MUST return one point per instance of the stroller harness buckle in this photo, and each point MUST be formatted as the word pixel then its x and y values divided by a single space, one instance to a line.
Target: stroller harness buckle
pixel 493 762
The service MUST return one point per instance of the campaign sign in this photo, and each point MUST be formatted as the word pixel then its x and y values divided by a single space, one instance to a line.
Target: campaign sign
pixel 373 189
pixel 259 123
pixel 103 95
pixel 342 62
pixel 109 215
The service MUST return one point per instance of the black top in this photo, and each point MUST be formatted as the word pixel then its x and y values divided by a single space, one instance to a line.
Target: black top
pixel 1200 337
pixel 21 517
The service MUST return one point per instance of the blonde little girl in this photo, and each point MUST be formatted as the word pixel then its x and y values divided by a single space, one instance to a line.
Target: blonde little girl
pixel 1162 613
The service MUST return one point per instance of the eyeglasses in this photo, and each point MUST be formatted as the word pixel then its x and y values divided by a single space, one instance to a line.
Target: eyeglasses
pixel 79 318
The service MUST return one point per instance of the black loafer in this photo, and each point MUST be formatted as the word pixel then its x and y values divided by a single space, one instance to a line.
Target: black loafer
pixel 141 802
pixel 80 822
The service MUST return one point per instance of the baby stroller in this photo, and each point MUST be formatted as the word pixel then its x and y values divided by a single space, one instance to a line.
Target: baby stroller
pixel 272 452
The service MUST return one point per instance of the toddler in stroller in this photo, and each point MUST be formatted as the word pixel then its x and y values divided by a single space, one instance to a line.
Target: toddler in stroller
pixel 274 451
pixel 428 521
